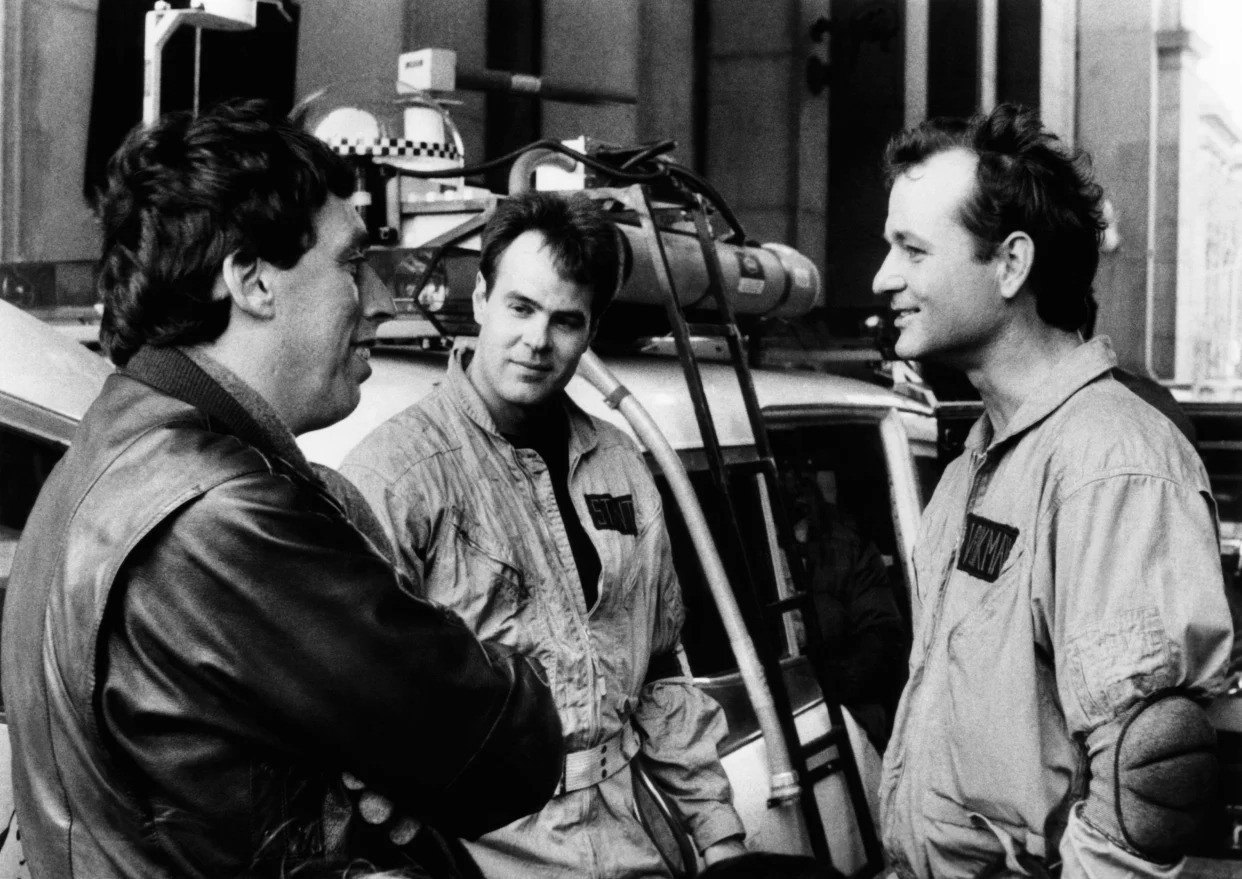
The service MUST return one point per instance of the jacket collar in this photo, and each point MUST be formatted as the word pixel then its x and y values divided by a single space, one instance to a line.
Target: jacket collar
pixel 1071 374
pixel 582 433
pixel 196 379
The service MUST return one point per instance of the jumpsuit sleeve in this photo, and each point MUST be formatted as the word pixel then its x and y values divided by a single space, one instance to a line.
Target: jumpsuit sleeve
pixel 1135 603
pixel 681 726
pixel 401 514
pixel 358 510
pixel 290 629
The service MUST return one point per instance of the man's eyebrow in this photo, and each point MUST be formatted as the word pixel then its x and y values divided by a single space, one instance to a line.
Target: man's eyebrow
pixel 520 298
pixel 904 237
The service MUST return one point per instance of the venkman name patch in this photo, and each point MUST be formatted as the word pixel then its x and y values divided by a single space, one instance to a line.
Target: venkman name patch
pixel 985 546
pixel 610 513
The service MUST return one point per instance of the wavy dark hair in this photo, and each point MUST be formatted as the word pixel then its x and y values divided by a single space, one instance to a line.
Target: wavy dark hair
pixel 1026 180
pixel 585 245
pixel 187 192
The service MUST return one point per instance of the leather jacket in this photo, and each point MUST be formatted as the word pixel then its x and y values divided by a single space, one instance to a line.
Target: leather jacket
pixel 198 641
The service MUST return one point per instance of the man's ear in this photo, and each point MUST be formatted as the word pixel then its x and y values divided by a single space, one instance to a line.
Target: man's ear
pixel 1015 257
pixel 479 298
pixel 248 286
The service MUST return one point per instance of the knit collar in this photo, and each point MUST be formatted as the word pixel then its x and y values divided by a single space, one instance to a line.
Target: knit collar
pixel 195 378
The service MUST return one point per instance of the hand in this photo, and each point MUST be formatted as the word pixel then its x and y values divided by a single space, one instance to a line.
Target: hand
pixel 378 809
pixel 729 847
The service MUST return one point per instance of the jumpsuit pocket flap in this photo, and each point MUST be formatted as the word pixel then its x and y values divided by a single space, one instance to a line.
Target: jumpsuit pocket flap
pixel 991 604
pixel 1118 660
pixel 962 840
pixel 478 561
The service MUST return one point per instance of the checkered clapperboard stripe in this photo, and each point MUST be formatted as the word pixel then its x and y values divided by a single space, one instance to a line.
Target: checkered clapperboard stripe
pixel 393 146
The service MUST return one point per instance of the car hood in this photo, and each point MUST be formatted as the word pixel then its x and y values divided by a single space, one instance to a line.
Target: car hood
pixel 45 370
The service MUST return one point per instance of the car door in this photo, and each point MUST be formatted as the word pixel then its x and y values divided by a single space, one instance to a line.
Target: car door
pixel 47 381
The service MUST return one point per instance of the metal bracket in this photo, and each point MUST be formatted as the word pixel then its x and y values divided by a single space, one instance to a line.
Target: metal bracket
pixel 162 21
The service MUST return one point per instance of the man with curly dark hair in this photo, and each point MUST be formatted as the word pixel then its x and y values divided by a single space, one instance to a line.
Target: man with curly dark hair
pixel 1069 612
pixel 198 641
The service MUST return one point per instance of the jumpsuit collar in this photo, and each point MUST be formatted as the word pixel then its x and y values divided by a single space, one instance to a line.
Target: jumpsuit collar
pixel 582 433
pixel 1071 373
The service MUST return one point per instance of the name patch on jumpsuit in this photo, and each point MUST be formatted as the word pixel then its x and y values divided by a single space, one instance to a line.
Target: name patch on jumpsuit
pixel 610 513
pixel 985 546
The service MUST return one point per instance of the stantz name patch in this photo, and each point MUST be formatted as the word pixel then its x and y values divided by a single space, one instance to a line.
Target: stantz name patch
pixel 985 547
pixel 610 513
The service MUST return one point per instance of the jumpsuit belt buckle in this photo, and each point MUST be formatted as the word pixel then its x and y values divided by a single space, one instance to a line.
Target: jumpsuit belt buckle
pixel 589 767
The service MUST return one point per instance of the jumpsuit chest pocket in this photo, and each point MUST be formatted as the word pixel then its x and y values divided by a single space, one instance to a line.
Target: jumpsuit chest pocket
pixel 989 609
pixel 476 576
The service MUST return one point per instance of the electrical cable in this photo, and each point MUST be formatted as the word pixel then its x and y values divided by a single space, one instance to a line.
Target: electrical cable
pixel 700 185
pixel 555 146
pixel 656 149
pixel 666 170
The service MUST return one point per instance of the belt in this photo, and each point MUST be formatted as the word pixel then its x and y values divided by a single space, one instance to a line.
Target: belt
pixel 588 768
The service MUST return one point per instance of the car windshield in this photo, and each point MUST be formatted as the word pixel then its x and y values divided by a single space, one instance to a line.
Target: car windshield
pixel 834 485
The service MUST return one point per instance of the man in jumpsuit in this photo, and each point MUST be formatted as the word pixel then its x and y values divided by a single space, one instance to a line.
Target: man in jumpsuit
pixel 542 527
pixel 198 642
pixel 1069 613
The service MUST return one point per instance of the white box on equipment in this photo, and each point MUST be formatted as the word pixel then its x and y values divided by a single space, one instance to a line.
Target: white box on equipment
pixel 427 70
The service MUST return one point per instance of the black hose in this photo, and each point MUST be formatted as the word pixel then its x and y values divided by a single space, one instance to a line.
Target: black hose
pixel 555 146
pixel 700 185
pixel 665 170
pixel 656 149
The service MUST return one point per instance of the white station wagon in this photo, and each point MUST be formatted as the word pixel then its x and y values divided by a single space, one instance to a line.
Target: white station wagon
pixel 869 442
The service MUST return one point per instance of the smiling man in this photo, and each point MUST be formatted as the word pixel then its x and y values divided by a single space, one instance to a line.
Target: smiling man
pixel 1069 609
pixel 198 642
pixel 543 528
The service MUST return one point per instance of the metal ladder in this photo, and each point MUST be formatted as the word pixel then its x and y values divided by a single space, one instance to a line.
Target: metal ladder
pixel 761 613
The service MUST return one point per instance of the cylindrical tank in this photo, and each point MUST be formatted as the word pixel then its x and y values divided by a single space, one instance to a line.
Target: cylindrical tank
pixel 772 279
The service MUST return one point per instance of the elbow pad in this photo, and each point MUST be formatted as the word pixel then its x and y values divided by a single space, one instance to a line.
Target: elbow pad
pixel 1153 776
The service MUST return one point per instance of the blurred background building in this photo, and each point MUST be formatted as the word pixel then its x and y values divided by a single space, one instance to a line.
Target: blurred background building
pixel 784 105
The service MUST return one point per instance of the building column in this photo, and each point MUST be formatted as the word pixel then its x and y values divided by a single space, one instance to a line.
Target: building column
pixel 1170 344
pixel 1116 81
pixel 1058 51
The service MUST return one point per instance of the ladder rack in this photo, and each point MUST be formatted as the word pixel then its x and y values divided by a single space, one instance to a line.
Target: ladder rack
pixel 762 611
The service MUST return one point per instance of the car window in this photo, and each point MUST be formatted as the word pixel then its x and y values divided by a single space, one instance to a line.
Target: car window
pixel 1219 431
pixel 25 463
pixel 834 483
pixel 835 486
pixel 703 635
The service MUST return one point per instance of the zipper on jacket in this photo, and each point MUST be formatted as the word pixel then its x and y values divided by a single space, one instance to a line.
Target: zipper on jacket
pixel 916 710
pixel 597 686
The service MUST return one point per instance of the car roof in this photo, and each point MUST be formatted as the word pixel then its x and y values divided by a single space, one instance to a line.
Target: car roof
pixel 401 377
pixel 47 380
